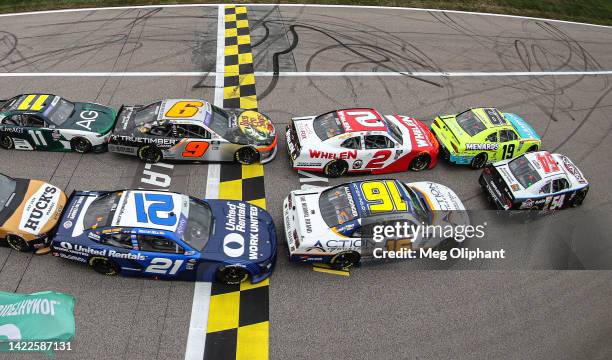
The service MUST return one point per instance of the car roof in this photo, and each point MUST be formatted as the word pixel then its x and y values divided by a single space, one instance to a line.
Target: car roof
pixel 33 103
pixel 491 117
pixel 134 209
pixel 203 115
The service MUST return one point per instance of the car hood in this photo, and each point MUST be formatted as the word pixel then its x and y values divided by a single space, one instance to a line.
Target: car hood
pixel 39 211
pixel 438 196
pixel 91 117
pixel 241 231
pixel 250 127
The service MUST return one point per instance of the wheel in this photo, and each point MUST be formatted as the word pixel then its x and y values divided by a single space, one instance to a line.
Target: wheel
pixel 6 142
pixel 345 259
pixel 335 168
pixel 479 161
pixel 232 275
pixel 532 148
pixel 80 145
pixel 103 266
pixel 447 244
pixel 579 198
pixel 18 243
pixel 247 155
pixel 421 162
pixel 150 154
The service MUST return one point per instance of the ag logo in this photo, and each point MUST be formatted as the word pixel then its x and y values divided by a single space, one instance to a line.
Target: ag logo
pixel 88 117
pixel 233 245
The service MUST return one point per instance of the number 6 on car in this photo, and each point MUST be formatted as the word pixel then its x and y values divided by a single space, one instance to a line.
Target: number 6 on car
pixel 167 235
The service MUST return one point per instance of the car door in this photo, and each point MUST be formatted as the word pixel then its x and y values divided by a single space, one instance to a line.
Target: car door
pixel 557 200
pixel 378 151
pixel 195 144
pixel 36 134
pixel 160 254
pixel 508 145
pixel 348 148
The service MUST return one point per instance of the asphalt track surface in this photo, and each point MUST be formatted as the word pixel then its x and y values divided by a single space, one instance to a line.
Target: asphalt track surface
pixel 381 312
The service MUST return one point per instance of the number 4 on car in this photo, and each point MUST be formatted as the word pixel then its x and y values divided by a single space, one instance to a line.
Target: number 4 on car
pixel 49 122
pixel 167 236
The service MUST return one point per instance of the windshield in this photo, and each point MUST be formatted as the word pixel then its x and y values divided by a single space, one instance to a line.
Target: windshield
pixel 470 123
pixel 101 211
pixel 523 171
pixel 219 122
pixel 199 224
pixel 417 203
pixel 327 126
pixel 337 206
pixel 147 114
pixel 61 112
pixel 7 188
pixel 395 132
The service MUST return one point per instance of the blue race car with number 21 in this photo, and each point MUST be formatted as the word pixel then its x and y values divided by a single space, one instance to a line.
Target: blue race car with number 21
pixel 167 236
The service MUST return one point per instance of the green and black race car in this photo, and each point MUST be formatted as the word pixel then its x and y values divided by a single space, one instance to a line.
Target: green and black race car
pixel 49 122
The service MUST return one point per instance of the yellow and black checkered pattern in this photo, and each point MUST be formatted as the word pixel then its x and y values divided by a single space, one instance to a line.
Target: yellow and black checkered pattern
pixel 238 320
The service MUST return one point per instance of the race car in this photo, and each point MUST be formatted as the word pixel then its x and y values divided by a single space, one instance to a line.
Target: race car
pixel 30 210
pixel 49 122
pixel 480 136
pixel 538 180
pixel 336 225
pixel 167 235
pixel 358 141
pixel 184 129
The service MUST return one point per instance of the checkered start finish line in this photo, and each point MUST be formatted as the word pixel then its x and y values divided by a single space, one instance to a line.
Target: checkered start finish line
pixel 238 319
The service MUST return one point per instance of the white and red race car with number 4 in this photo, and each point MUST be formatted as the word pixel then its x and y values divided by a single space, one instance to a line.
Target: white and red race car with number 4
pixel 360 140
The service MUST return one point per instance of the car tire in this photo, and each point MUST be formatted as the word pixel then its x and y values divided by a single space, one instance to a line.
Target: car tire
pixel 579 198
pixel 149 154
pixel 420 162
pixel 247 155
pixel 232 275
pixel 345 259
pixel 17 243
pixel 80 145
pixel 6 142
pixel 447 244
pixel 479 161
pixel 532 148
pixel 103 266
pixel 335 168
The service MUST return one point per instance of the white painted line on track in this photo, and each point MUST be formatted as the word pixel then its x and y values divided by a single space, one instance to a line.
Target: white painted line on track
pixel 199 321
pixel 196 340
pixel 219 74
pixel 170 6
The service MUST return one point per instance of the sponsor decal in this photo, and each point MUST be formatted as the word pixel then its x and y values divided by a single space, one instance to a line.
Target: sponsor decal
pixel 129 150
pixel 233 245
pixel 254 235
pixel 77 249
pixel 255 125
pixel 572 169
pixel 344 155
pixel 39 209
pixel 125 119
pixel 419 137
pixel 161 142
pixel 481 146
pixel 88 116
pixel 348 243
pixel 515 187
pixel 307 164
pixel 11 129
pixel 442 197
pixel 56 135
pixel 236 217
pixel 67 224
pixel 306 214
pixel 357 164
pixel 527 204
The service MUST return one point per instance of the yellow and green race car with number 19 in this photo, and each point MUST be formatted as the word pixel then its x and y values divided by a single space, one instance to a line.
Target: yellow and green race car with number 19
pixel 480 136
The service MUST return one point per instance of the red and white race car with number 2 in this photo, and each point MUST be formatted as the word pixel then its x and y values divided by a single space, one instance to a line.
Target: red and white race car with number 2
pixel 360 140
